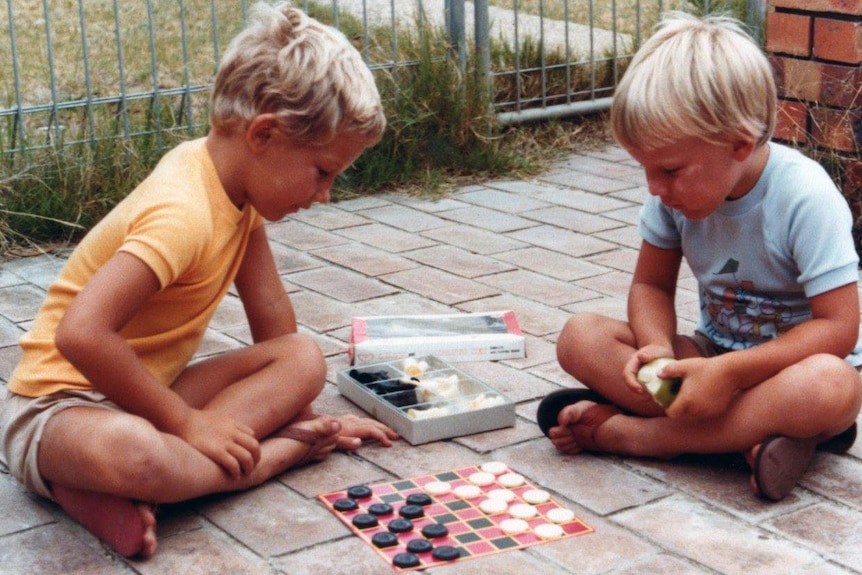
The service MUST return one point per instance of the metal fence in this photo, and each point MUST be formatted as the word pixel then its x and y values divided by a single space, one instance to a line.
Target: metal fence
pixel 76 71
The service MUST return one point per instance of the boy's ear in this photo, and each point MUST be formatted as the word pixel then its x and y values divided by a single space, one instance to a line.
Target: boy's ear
pixel 742 148
pixel 260 132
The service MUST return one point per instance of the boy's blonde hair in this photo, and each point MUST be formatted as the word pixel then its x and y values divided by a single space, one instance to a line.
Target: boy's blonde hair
pixel 305 72
pixel 701 77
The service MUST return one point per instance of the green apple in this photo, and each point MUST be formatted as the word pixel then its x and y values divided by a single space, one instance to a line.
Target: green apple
pixel 663 390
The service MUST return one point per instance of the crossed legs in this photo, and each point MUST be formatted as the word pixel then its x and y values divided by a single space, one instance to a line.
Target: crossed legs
pixel 109 480
pixel 594 349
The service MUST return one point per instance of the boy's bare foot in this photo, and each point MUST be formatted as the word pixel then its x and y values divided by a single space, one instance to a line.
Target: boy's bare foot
pixel 317 437
pixel 578 425
pixel 128 527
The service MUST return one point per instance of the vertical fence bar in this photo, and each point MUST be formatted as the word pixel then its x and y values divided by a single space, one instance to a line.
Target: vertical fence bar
pixel 18 122
pixel 55 119
pixel 88 88
pixel 121 70
pixel 456 30
pixel 216 47
pixel 154 74
pixel 186 103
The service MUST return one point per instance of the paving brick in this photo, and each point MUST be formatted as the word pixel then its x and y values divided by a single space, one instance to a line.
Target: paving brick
pixel 552 264
pixel 336 472
pixel 510 202
pixel 439 285
pixel 580 200
pixel 261 518
pixel 25 552
pixel 199 552
pixel 836 477
pixel 430 205
pixel 321 312
pixel 9 358
pixel 366 260
pixel 404 218
pixel 584 181
pixel 403 304
pixel 350 556
pixel 328 217
pixel 289 260
pixel 474 240
pixel 584 477
pixel 537 287
pixel 458 261
pixel 535 318
pixel 690 529
pixel 20 303
pixel 486 219
pixel 570 219
pixel 9 332
pixel 341 284
pixel 615 284
pixel 841 541
pixel 564 241
pixel 387 238
pixel 302 236
pixel 515 384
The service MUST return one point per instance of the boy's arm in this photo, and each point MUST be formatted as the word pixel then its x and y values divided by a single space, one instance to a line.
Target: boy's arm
pixel 267 306
pixel 651 299
pixel 833 329
pixel 89 337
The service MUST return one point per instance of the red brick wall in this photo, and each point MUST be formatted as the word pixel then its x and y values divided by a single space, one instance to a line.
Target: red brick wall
pixel 815 47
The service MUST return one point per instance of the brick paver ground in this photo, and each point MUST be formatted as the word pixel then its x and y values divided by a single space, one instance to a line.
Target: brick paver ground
pixel 546 248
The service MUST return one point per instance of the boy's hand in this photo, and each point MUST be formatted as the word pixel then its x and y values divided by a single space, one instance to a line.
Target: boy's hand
pixel 641 357
pixel 706 391
pixel 227 442
pixel 354 429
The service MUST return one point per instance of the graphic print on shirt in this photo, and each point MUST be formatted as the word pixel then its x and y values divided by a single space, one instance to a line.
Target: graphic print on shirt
pixel 744 315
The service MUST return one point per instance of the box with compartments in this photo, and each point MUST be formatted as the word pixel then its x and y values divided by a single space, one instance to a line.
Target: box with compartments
pixel 426 399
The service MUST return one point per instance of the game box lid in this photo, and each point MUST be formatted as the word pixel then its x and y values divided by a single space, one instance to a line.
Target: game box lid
pixel 452 337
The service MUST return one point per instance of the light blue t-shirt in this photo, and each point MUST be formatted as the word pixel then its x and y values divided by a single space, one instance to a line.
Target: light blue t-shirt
pixel 759 258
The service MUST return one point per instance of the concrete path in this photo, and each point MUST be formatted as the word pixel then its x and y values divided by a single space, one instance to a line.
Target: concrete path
pixel 546 248
pixel 583 42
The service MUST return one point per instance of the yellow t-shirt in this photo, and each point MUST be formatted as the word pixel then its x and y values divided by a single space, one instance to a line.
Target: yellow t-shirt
pixel 181 223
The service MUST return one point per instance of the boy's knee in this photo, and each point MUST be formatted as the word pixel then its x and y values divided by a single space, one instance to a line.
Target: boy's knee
pixel 302 357
pixel 831 381
pixel 129 454
pixel 578 335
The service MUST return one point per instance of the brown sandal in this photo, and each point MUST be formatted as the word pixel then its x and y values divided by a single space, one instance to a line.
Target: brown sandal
pixel 780 464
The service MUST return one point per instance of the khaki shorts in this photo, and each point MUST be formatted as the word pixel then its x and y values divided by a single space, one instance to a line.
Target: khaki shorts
pixel 22 422
pixel 705 346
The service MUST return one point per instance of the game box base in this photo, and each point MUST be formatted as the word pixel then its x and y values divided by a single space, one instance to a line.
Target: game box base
pixel 438 403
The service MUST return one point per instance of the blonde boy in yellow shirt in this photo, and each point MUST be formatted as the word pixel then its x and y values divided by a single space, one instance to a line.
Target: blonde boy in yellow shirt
pixel 104 414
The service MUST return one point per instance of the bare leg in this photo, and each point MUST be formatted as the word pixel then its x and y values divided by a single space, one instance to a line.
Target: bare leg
pixel 825 388
pixel 264 386
pixel 594 350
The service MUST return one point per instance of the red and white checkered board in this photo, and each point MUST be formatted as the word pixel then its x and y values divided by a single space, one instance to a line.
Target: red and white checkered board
pixel 471 531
